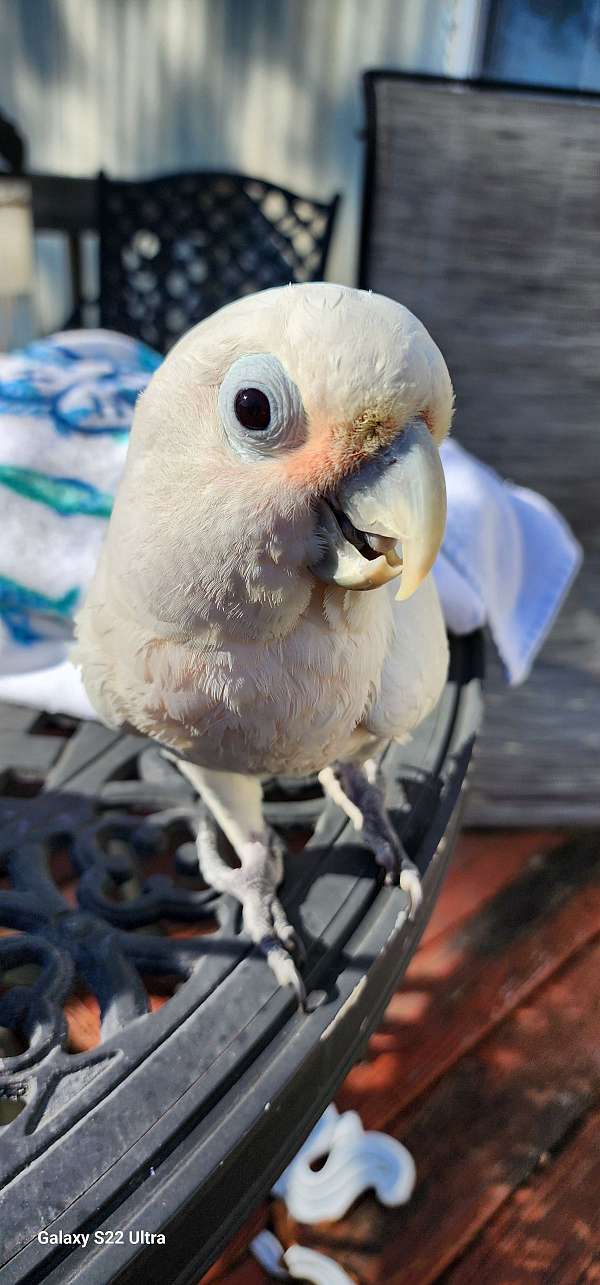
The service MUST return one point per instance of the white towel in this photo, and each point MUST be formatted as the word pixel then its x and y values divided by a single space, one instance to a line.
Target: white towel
pixel 508 560
pixel 66 405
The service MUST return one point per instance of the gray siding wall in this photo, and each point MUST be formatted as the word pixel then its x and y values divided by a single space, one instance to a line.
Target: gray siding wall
pixel 269 87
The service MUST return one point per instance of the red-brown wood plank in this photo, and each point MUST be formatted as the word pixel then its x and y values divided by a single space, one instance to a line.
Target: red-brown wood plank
pixel 549 1230
pixel 483 862
pixel 483 865
pixel 245 1272
pixel 463 983
pixel 479 1134
pixel 237 1265
pixel 82 1016
pixel 591 1274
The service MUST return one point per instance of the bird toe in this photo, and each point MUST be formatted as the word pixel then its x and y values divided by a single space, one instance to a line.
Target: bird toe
pixel 410 882
pixel 282 965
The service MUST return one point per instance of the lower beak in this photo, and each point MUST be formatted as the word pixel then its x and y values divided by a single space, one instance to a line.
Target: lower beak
pixel 397 499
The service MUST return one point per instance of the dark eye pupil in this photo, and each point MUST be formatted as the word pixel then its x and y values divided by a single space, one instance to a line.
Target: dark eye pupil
pixel 252 408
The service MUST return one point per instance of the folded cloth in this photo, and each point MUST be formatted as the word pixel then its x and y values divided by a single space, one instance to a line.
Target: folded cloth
pixel 66 405
pixel 508 560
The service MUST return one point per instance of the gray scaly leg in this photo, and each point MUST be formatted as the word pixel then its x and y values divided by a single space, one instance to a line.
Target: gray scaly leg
pixel 235 803
pixel 358 793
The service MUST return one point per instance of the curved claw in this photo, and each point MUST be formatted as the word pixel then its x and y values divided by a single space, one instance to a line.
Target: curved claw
pixel 410 882
pixel 282 965
pixel 285 933
pixel 297 947
pixel 399 869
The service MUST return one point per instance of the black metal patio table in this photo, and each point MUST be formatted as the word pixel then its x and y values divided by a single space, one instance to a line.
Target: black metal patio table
pixel 180 1119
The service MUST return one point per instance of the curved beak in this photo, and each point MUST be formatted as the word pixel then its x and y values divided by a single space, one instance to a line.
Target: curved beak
pixel 397 499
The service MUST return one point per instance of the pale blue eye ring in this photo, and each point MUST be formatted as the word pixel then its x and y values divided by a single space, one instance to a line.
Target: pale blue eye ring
pixel 287 421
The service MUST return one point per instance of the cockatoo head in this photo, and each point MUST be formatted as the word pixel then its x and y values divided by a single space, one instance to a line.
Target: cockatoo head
pixel 298 429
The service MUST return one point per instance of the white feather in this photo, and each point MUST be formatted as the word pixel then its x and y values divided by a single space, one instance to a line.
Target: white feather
pixel 203 627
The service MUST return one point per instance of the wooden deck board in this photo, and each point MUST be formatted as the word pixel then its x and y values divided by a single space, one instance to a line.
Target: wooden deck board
pixel 550 1227
pixel 479 1134
pixel 487 1066
pixel 464 982
pixel 483 864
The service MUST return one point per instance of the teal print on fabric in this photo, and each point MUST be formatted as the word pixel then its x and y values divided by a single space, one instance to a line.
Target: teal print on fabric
pixel 19 604
pixel 68 496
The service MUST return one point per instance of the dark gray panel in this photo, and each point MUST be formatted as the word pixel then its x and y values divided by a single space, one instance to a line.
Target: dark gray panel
pixel 483 217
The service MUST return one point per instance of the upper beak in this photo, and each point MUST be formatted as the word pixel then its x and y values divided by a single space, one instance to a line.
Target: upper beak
pixel 397 498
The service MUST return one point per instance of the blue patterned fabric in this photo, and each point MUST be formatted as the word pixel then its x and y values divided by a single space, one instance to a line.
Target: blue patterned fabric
pixel 47 379
pixel 66 407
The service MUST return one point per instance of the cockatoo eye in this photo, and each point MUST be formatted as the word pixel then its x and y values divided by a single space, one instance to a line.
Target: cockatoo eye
pixel 253 409
pixel 260 407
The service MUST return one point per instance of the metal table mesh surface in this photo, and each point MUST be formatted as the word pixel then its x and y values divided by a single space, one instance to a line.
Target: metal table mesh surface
pixel 181 1116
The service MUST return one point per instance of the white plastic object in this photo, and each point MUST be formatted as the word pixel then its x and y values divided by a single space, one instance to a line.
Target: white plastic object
pixel 297 1262
pixel 357 1160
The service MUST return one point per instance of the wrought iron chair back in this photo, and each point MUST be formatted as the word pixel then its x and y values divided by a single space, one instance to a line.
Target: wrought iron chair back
pixel 176 248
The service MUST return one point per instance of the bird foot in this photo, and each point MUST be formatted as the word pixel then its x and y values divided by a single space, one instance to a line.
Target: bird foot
pixel 255 885
pixel 264 918
pixel 399 869
pixel 366 809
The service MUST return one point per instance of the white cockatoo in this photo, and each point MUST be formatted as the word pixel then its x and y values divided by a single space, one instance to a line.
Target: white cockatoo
pixel 283 460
